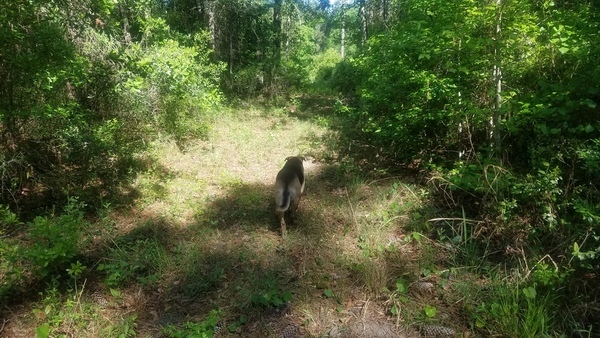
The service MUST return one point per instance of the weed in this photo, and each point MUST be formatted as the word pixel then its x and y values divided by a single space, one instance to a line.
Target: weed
pixel 398 296
pixel 63 314
pixel 272 298
pixel 123 329
pixel 55 239
pixel 242 320
pixel 203 329
pixel 515 311
pixel 141 260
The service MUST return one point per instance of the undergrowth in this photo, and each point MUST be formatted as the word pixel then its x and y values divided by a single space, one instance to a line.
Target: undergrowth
pixel 200 251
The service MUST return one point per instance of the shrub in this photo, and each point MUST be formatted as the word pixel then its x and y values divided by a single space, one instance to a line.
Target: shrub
pixel 54 240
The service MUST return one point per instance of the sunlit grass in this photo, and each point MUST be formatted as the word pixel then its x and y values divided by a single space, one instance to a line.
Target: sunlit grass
pixel 202 240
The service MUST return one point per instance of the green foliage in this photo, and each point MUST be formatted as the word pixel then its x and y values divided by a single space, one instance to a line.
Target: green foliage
pixel 429 311
pixel 322 68
pixel 242 320
pixel 522 155
pixel 124 328
pixel 54 241
pixel 84 96
pixel 42 331
pixel 273 298
pixel 76 269
pixel 179 85
pixel 344 78
pixel 139 260
pixel 399 295
pixel 516 312
pixel 203 329
pixel 46 247
pixel 59 308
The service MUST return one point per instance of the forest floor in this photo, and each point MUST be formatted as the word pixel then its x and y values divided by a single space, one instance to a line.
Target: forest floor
pixel 201 236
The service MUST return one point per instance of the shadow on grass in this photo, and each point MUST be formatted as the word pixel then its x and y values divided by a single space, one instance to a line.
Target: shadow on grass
pixel 233 258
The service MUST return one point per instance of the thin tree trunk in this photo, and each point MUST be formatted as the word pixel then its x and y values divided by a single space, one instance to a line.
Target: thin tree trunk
pixel 343 42
pixel 231 55
pixel 496 115
pixel 123 10
pixel 385 12
pixel 212 24
pixel 277 30
pixel 363 23
pixel 276 62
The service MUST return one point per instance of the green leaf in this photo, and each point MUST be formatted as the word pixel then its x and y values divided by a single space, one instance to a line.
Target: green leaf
pixel 328 293
pixel 430 311
pixel 276 301
pixel 530 292
pixel 43 331
pixel 394 310
pixel 233 327
pixel 563 50
pixel 286 296
pixel 416 236
pixel 401 285
pixel 589 103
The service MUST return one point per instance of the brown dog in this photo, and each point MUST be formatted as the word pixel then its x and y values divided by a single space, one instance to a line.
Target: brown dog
pixel 289 186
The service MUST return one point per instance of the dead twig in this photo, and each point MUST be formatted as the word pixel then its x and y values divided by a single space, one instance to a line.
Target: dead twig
pixel 538 262
pixel 384 179
pixel 439 219
pixel 351 208
pixel 3 324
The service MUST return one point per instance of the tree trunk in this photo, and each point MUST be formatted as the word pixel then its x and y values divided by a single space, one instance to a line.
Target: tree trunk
pixel 212 24
pixel 496 138
pixel 123 10
pixel 363 23
pixel 277 31
pixel 343 42
pixel 276 62
pixel 385 12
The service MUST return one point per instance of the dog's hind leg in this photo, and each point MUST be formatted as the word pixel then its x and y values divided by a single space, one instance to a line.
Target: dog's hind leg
pixel 283 201
pixel 281 215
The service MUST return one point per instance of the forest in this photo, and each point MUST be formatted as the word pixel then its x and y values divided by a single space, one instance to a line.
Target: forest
pixel 452 161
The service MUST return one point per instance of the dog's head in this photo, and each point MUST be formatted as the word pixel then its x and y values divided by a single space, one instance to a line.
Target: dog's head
pixel 301 158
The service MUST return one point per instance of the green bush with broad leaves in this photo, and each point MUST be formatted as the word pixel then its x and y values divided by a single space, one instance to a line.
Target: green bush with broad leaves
pixel 179 85
pixel 202 329
pixel 499 102
pixel 84 100
pixel 47 248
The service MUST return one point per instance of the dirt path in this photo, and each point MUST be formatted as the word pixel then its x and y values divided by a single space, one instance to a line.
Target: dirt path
pixel 221 188
pixel 202 237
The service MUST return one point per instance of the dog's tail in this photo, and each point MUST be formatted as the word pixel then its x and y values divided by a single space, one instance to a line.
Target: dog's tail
pixel 285 201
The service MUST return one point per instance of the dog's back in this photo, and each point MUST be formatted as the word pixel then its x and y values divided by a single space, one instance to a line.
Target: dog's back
pixel 289 186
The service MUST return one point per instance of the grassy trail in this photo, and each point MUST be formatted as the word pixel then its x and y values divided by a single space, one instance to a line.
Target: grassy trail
pixel 202 236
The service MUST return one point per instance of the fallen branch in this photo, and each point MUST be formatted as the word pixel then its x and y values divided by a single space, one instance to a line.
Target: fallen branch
pixel 3 325
pixel 454 219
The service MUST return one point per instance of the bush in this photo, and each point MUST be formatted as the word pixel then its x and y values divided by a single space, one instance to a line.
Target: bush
pixel 46 248
pixel 179 85
pixel 53 241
